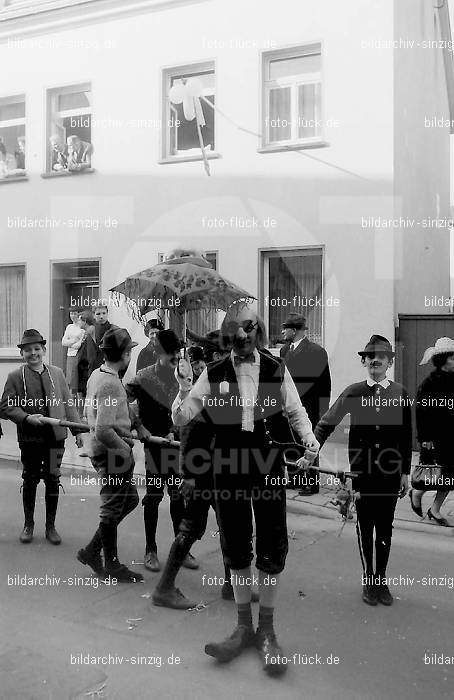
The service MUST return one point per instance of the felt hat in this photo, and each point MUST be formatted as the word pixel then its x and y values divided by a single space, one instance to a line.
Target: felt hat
pixel 153 324
pixel 377 343
pixel 295 321
pixel 31 335
pixel 168 342
pixel 442 346
pixel 117 339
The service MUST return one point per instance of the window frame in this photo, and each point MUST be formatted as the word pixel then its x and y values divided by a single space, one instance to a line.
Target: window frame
pixel 11 352
pixel 51 97
pixel 167 73
pixel 309 48
pixel 264 255
pixel 19 121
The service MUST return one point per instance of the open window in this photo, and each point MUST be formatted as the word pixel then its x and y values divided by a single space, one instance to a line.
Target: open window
pixel 69 134
pixel 12 137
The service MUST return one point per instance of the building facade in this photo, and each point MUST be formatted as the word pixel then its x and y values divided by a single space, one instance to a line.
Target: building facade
pixel 313 135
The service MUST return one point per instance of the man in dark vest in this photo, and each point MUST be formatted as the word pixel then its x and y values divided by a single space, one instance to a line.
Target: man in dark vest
pixel 245 396
pixel 307 362
pixel 379 447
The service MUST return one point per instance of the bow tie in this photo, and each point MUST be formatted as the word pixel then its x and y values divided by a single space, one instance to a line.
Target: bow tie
pixel 250 359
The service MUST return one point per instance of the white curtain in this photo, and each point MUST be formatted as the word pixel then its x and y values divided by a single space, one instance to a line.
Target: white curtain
pixel 12 305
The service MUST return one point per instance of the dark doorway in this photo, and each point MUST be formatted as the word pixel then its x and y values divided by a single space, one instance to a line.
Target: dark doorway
pixel 414 335
pixel 74 285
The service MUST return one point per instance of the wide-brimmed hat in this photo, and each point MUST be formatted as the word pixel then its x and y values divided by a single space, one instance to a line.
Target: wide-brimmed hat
pixel 377 343
pixel 31 335
pixel 168 342
pixel 153 324
pixel 117 339
pixel 442 346
pixel 295 321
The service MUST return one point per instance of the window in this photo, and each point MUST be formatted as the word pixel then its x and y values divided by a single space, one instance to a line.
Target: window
pixel 292 282
pixel 12 309
pixel 12 137
pixel 180 137
pixel 199 321
pixel 292 96
pixel 69 129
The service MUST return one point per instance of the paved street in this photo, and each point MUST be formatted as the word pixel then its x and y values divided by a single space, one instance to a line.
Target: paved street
pixel 46 628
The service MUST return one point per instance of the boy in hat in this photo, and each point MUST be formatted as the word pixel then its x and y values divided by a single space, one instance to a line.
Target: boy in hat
pixel 380 453
pixel 308 365
pixel 154 388
pixel 107 411
pixel 147 356
pixel 32 392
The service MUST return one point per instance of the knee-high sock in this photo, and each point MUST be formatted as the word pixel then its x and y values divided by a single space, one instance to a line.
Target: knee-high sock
pixel 178 551
pixel 241 591
pixel 109 543
pixel 268 591
pixel 150 519
pixel 52 486
pixel 28 500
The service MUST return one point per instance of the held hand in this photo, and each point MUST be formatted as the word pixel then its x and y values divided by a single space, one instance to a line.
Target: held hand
pixel 186 488
pixel 129 441
pixel 403 485
pixel 170 436
pixel 35 419
pixel 427 445
pixel 312 450
pixel 78 439
pixel 143 434
pixel 356 496
pixel 184 375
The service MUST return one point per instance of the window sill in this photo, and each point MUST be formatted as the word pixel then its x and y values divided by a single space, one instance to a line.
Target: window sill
pixel 212 155
pixel 13 178
pixel 279 148
pixel 67 173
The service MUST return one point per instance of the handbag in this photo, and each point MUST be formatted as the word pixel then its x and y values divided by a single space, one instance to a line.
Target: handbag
pixel 427 475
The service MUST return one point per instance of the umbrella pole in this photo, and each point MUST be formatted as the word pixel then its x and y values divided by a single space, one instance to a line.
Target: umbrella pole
pixel 202 147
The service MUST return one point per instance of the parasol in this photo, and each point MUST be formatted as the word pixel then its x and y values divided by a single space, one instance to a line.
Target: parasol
pixel 184 281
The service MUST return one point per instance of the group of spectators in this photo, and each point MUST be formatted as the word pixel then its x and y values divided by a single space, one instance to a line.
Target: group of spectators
pixel 12 164
pixel 73 155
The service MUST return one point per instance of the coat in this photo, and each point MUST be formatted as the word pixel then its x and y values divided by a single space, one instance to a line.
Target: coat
pixel 435 414
pixel 309 368
pixel 19 400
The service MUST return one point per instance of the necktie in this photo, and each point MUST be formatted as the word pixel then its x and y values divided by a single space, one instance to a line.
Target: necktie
pixel 292 347
pixel 240 360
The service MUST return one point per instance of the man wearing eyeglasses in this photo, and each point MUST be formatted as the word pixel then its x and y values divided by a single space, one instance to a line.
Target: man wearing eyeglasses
pixel 379 447
pixel 246 395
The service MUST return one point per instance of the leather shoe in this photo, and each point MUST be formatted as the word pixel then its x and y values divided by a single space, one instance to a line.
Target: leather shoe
pixel 231 647
pixel 91 559
pixel 26 535
pixel 151 561
pixel 122 574
pixel 370 595
pixel 189 562
pixel 273 661
pixel 52 535
pixel 384 595
pixel 172 598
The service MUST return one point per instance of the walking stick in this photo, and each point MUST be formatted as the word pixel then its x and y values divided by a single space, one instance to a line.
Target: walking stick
pixel 84 428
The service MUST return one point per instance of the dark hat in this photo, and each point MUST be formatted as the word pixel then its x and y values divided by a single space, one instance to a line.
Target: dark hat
pixel 117 339
pixel 168 342
pixel 210 341
pixel 196 353
pixel 31 335
pixel 155 324
pixel 377 343
pixel 295 321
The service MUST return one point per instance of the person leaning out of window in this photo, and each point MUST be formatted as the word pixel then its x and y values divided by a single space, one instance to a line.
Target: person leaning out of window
pixel 435 423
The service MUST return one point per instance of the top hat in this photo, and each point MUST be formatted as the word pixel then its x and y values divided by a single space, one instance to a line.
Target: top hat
pixel 117 339
pixel 295 321
pixel 153 324
pixel 377 343
pixel 31 335
pixel 168 342
pixel 442 346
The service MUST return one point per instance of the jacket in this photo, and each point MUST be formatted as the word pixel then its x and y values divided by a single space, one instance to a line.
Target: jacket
pixel 154 388
pixel 435 414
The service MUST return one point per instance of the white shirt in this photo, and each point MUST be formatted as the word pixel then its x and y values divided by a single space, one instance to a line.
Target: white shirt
pixel 293 346
pixel 72 338
pixel 247 374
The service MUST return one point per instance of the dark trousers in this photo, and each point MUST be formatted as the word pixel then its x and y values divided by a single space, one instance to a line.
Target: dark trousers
pixel 375 513
pixel 161 465
pixel 249 479
pixel 118 492
pixel 41 460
